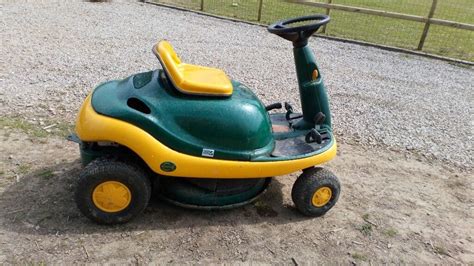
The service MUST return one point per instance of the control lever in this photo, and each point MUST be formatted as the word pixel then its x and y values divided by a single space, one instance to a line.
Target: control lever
pixel 273 106
pixel 319 118
pixel 313 136
pixel 289 112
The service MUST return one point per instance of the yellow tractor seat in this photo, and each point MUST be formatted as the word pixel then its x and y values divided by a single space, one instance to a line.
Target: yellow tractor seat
pixel 192 79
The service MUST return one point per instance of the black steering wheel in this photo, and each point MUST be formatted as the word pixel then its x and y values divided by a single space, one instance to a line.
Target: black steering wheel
pixel 298 34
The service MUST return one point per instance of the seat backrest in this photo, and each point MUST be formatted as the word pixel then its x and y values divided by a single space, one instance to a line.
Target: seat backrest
pixel 168 58
pixel 192 79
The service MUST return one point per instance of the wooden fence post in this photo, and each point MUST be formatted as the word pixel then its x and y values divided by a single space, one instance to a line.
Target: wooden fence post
pixel 427 25
pixel 260 4
pixel 328 10
pixel 202 5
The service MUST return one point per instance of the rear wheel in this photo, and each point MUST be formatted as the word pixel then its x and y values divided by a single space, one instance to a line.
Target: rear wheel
pixel 315 191
pixel 112 191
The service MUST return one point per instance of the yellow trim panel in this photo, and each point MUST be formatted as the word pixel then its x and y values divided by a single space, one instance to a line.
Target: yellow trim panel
pixel 92 126
pixel 192 79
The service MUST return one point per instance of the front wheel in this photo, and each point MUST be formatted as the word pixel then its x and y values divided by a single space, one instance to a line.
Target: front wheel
pixel 315 191
pixel 112 191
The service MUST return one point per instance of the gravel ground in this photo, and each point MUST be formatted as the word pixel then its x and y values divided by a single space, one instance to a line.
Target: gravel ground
pixel 52 54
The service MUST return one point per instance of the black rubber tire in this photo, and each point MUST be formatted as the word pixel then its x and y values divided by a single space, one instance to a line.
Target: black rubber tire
pixel 307 183
pixel 113 169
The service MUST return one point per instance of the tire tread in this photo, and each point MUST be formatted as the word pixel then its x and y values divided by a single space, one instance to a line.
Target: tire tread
pixel 307 183
pixel 124 170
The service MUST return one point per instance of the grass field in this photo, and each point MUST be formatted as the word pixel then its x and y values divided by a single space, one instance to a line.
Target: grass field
pixel 394 32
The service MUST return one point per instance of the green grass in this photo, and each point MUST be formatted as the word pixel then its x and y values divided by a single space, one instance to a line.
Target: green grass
pixel 359 256
pixel 366 229
pixel 60 129
pixel 441 40
pixel 24 168
pixel 390 232
pixel 440 250
pixel 46 174
pixel 22 125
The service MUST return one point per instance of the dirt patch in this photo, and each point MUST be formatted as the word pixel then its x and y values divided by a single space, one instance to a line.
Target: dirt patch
pixel 393 208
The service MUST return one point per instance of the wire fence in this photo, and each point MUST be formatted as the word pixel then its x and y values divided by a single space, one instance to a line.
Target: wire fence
pixel 439 39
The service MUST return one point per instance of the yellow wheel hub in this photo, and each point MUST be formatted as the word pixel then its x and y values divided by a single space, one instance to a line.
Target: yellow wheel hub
pixel 322 196
pixel 111 196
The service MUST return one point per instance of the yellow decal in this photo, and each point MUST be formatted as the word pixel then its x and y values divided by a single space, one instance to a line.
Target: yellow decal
pixel 315 74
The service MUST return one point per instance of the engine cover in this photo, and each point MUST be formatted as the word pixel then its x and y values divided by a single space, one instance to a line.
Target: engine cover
pixel 233 128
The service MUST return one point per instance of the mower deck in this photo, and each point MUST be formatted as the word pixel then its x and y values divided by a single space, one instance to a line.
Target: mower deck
pixel 211 194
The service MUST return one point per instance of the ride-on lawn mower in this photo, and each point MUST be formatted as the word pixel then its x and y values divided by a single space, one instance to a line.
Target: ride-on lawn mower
pixel 201 140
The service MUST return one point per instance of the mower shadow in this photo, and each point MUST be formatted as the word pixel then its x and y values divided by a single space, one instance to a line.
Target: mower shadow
pixel 42 203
